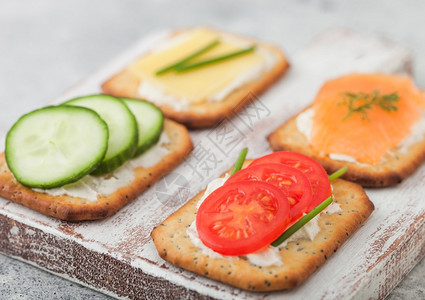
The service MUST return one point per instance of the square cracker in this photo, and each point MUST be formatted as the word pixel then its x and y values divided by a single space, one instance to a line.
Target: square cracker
pixel 396 166
pixel 300 258
pixel 76 209
pixel 206 113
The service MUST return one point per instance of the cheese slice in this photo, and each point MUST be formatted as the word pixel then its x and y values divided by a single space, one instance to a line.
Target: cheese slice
pixel 200 84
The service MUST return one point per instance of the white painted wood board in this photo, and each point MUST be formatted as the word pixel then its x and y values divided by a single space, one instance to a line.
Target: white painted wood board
pixel 120 251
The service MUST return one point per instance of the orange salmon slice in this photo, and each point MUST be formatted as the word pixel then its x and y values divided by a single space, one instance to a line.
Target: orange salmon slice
pixel 370 135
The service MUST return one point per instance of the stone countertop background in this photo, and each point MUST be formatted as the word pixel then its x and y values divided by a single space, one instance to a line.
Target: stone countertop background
pixel 46 46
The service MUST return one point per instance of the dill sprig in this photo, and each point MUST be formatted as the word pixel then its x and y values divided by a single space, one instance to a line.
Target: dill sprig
pixel 360 103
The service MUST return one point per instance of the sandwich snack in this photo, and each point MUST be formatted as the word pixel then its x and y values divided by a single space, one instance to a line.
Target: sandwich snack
pixel 266 227
pixel 373 123
pixel 199 76
pixel 88 157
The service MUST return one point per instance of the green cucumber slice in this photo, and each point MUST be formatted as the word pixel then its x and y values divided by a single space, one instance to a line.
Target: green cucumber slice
pixel 122 129
pixel 51 146
pixel 150 121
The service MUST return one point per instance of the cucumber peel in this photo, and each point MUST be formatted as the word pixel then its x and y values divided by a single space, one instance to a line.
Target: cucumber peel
pixel 51 146
pixel 122 127
pixel 150 121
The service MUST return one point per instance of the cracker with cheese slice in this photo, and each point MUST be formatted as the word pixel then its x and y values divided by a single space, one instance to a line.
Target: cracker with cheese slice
pixel 203 96
pixel 300 258
pixel 139 176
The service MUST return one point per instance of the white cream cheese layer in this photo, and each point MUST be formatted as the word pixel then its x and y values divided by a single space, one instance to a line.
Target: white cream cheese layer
pixel 343 157
pixel 268 256
pixel 250 75
pixel 304 123
pixel 310 230
pixel 417 133
pixel 155 92
pixel 89 187
pixel 157 95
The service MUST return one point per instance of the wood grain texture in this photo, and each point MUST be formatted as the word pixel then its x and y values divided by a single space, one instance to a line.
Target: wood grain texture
pixel 70 259
pixel 369 264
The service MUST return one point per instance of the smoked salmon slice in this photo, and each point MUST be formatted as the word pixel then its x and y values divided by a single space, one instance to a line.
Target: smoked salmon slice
pixel 365 115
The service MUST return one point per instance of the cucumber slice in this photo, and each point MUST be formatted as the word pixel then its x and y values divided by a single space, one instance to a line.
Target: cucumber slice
pixel 51 146
pixel 150 121
pixel 122 129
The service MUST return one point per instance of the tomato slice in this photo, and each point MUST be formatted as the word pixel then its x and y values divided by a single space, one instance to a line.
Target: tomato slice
pixel 242 217
pixel 291 181
pixel 317 175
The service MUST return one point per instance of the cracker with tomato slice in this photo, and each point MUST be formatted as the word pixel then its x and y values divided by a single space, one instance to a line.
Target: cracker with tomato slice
pixel 300 258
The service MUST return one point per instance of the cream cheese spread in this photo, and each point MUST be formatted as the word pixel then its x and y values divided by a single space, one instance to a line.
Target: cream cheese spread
pixel 304 123
pixel 332 208
pixel 416 135
pixel 89 187
pixel 158 96
pixel 250 75
pixel 312 228
pixel 343 157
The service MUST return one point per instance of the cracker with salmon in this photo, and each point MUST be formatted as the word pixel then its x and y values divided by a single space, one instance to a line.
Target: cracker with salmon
pixel 373 123
pixel 77 209
pixel 300 258
pixel 202 111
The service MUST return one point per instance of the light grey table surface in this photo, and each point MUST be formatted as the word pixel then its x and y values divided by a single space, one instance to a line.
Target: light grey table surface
pixel 48 46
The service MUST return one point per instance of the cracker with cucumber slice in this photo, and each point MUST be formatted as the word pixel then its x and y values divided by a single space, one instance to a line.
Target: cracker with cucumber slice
pixel 300 258
pixel 62 146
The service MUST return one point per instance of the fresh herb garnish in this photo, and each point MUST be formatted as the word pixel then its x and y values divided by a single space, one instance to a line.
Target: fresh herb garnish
pixel 304 220
pixel 239 161
pixel 338 173
pixel 361 102
pixel 189 57
pixel 188 67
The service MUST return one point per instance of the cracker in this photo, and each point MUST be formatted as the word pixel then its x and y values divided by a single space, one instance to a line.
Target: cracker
pixel 300 258
pixel 207 113
pixel 396 165
pixel 77 209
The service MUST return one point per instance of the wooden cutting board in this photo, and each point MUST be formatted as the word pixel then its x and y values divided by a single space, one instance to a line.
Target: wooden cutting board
pixel 117 256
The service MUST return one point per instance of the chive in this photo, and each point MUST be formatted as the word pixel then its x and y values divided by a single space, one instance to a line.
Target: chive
pixel 187 58
pixel 304 220
pixel 239 161
pixel 338 173
pixel 184 68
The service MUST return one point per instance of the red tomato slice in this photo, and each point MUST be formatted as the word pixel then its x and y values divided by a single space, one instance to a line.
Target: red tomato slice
pixel 291 181
pixel 317 175
pixel 242 217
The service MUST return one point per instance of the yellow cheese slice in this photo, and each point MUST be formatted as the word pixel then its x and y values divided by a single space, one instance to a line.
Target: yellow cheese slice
pixel 199 84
